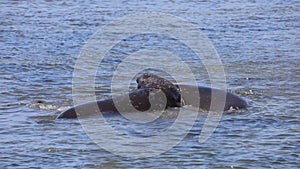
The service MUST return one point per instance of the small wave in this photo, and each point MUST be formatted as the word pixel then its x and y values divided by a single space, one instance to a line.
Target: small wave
pixel 39 104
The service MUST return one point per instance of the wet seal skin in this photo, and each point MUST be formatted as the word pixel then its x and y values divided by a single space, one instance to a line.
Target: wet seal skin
pixel 152 85
pixel 170 90
pixel 232 102
pixel 138 98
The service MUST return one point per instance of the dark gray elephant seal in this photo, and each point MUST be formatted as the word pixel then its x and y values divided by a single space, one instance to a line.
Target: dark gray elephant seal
pixel 152 84
pixel 232 102
pixel 139 99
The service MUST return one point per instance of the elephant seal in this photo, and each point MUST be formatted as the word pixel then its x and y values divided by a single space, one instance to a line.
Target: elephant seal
pixel 232 102
pixel 139 99
pixel 152 85
pixel 207 95
pixel 171 91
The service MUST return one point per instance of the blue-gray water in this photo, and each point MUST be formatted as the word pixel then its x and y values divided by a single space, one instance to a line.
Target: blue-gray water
pixel 258 43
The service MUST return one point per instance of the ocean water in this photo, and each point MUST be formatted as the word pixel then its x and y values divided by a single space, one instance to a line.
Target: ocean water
pixel 257 42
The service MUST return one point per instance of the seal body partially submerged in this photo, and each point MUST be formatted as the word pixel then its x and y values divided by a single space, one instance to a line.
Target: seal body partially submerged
pixel 161 90
pixel 209 99
pixel 173 96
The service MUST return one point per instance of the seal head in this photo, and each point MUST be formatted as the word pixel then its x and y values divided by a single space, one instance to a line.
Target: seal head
pixel 171 91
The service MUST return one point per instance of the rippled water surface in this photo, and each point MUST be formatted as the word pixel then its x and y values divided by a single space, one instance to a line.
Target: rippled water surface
pixel 258 43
